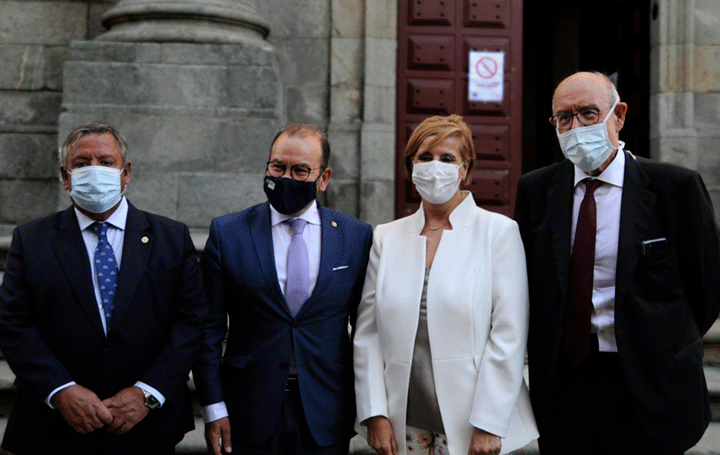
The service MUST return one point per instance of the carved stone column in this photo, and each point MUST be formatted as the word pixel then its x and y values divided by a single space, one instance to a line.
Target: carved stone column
pixel 197 91
pixel 195 21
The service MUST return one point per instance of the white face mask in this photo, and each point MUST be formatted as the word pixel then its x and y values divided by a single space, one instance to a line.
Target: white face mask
pixel 436 181
pixel 587 147
pixel 96 188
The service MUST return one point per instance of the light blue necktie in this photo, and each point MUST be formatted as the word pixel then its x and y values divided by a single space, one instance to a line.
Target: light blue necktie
pixel 297 288
pixel 106 270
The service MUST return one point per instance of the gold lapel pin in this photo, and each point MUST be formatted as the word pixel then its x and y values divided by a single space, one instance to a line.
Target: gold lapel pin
pixel 145 239
pixel 334 224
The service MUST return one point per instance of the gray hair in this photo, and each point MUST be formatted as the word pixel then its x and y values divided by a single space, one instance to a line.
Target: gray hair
pixel 97 127
pixel 614 95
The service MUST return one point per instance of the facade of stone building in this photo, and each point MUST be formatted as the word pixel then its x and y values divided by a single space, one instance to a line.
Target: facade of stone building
pixel 201 86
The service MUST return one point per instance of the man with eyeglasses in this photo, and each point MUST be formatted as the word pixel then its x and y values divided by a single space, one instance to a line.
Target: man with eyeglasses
pixel 287 276
pixel 624 275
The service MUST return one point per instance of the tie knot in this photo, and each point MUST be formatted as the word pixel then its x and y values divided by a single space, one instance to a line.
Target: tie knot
pixel 591 185
pixel 100 229
pixel 298 225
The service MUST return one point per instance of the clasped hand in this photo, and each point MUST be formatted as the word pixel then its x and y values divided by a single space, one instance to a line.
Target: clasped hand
pixel 84 412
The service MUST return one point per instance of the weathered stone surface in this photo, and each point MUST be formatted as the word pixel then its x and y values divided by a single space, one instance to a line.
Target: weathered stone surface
pixel 26 200
pixel 190 143
pixel 155 192
pixel 204 196
pixel 342 195
pixel 217 54
pixel 344 151
pixel 304 61
pixel 307 104
pixel 23 67
pixel 252 87
pixel 707 22
pixel 347 62
pixel 707 113
pixel 379 106
pixel 50 22
pixel 31 109
pixel 708 150
pixel 347 18
pixel 378 153
pixel 106 52
pixel 380 69
pixel 676 150
pixel 377 202
pixel 55 57
pixel 381 19
pixel 707 68
pixel 94 22
pixel 28 156
pixel 293 19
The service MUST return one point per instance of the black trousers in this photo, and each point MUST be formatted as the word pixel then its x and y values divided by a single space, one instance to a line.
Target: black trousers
pixel 594 414
pixel 292 436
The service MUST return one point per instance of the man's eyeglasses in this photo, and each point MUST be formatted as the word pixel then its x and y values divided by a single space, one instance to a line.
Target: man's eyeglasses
pixel 586 117
pixel 298 172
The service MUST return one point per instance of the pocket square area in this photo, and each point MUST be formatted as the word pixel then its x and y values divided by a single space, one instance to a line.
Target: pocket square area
pixel 340 267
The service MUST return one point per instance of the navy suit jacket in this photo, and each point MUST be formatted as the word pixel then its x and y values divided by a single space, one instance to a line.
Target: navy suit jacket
pixel 241 281
pixel 51 332
pixel 665 300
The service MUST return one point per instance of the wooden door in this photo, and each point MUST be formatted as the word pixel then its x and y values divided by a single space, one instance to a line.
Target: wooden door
pixel 434 41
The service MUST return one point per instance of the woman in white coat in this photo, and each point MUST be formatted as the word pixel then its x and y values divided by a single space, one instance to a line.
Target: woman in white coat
pixel 442 324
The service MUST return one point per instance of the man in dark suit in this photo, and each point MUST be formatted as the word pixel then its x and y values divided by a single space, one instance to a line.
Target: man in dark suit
pixel 624 273
pixel 289 274
pixel 101 315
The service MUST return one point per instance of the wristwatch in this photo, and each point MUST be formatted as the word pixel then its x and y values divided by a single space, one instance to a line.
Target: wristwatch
pixel 150 401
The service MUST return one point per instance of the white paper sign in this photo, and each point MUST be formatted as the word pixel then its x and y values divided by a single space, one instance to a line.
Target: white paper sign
pixel 485 76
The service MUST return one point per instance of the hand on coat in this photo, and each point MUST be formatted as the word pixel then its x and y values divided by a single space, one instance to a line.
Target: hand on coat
pixel 127 408
pixel 217 436
pixel 484 443
pixel 380 435
pixel 82 409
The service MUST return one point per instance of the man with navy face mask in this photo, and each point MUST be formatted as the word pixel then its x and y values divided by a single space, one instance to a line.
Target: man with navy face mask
pixel 287 276
pixel 101 315
pixel 623 267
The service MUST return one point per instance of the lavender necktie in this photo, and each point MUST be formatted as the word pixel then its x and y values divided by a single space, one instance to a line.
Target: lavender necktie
pixel 106 270
pixel 297 288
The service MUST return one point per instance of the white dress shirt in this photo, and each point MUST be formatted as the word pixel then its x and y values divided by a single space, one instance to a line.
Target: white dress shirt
pixel 608 198
pixel 281 235
pixel 116 236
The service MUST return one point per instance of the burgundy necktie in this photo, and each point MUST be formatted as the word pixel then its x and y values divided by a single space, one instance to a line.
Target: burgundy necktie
pixel 579 309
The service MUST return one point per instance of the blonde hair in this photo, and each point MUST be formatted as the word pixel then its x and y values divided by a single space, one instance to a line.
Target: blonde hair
pixel 442 128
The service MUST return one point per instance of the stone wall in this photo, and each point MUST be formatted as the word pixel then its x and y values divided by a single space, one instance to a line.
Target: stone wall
pixel 34 39
pixel 685 91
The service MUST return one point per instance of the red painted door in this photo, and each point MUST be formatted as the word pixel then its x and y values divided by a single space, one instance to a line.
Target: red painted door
pixel 435 38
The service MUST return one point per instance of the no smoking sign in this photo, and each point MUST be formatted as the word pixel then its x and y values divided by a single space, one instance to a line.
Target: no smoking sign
pixel 485 76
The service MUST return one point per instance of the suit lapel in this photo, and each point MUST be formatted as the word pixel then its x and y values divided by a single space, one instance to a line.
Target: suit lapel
pixel 636 210
pixel 137 245
pixel 261 233
pixel 71 252
pixel 560 202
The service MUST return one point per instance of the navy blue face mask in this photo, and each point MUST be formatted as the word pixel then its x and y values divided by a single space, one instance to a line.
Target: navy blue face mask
pixel 289 196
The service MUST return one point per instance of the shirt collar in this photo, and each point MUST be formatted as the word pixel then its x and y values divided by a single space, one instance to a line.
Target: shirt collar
pixel 614 174
pixel 311 215
pixel 116 220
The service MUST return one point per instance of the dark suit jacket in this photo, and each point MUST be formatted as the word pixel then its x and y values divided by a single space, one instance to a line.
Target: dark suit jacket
pixel 664 301
pixel 241 281
pixel 51 332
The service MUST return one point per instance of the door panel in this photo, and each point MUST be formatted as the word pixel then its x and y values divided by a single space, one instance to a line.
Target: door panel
pixel 434 40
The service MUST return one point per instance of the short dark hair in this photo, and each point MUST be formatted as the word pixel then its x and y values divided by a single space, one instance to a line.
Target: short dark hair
pixel 81 129
pixel 305 130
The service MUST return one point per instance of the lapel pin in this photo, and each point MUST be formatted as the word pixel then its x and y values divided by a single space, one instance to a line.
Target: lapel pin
pixel 145 239
pixel 334 224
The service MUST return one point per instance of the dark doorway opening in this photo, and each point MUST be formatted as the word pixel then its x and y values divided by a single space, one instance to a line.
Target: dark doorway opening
pixel 562 37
